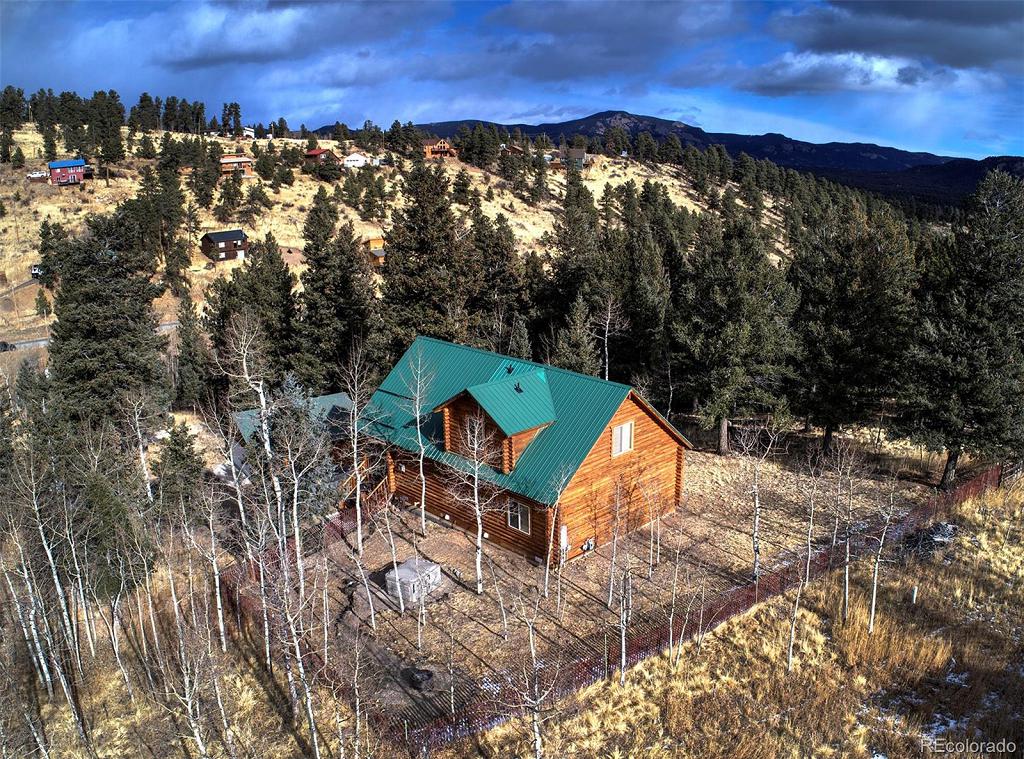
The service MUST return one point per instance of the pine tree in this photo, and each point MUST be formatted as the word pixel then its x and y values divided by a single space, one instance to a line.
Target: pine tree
pixel 966 392
pixel 179 472
pixel 735 326
pixel 104 342
pixel 338 307
pixel 854 276
pixel 265 289
pixel 43 307
pixel 430 274
pixel 574 345
pixel 193 361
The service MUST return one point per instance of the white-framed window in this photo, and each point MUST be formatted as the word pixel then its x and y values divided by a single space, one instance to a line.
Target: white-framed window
pixel 622 438
pixel 220 245
pixel 519 516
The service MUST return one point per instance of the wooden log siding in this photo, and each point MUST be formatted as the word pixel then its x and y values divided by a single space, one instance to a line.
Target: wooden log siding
pixel 650 477
pixel 441 504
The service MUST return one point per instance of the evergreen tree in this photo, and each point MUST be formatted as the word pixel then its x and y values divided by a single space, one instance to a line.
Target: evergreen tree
pixel 43 307
pixel 179 472
pixel 430 275
pixel 735 326
pixel 230 199
pixel 104 342
pixel 265 290
pixel 854 277
pixel 193 361
pixel 338 305
pixel 574 345
pixel 966 392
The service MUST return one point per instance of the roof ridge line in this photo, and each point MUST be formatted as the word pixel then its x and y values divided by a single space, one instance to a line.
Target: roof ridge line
pixel 524 360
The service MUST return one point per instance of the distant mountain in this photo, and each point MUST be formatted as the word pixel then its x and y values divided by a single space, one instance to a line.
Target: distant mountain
pixel 943 184
pixel 796 154
pixel 903 174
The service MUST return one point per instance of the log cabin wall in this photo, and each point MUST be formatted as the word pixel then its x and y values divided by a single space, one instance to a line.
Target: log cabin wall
pixel 650 478
pixel 457 415
pixel 440 503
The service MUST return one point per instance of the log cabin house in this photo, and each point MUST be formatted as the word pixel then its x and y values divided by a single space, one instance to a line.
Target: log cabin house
pixel 573 458
pixel 438 147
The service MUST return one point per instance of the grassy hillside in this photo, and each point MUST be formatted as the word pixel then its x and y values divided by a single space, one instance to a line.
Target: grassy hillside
pixel 947 667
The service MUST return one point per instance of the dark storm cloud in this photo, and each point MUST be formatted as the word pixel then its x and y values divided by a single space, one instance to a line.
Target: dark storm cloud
pixel 956 34
pixel 226 33
pixel 592 39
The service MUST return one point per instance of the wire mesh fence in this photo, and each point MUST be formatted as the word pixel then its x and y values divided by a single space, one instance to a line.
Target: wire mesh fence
pixel 471 707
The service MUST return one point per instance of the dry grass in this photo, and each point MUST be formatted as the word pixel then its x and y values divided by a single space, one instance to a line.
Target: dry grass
pixel 950 666
pixel 70 206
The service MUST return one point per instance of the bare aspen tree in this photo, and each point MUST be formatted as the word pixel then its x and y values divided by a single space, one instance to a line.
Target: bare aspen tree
pixel 384 515
pixel 608 321
pixel 757 443
pixel 357 385
pixel 501 599
pixel 471 486
pixel 887 510
pixel 137 413
pixel 806 578
pixel 418 379
pixel 535 680
pixel 617 498
pixel 625 617
pixel 559 483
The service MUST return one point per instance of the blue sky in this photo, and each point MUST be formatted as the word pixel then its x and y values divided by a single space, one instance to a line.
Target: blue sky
pixel 946 77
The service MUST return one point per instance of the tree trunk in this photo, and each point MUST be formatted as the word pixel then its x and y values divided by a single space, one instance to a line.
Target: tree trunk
pixel 949 472
pixel 723 435
pixel 826 442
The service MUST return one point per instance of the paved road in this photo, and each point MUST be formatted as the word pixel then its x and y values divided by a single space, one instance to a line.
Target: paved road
pixel 42 342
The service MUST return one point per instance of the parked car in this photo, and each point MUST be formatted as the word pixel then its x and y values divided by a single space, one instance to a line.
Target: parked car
pixel 37 271
pixel 5 346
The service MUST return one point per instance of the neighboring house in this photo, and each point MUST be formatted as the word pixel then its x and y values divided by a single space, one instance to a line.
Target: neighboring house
pixel 71 171
pixel 330 410
pixel 356 161
pixel 573 457
pixel 511 149
pixel 321 155
pixel 226 245
pixel 577 157
pixel 249 133
pixel 375 251
pixel 236 163
pixel 437 147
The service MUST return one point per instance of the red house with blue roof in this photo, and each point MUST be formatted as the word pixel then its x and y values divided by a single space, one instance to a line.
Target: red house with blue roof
pixel 574 459
pixel 71 171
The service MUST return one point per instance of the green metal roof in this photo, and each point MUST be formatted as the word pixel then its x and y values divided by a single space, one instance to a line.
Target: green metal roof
pixel 328 409
pixel 575 407
pixel 518 402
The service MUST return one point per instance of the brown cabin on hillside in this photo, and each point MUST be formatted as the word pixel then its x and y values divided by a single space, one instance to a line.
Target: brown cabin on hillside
pixel 438 147
pixel 236 163
pixel 321 155
pixel 224 246
pixel 375 251
pixel 568 457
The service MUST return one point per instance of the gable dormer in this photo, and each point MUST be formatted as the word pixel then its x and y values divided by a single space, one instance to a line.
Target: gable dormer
pixel 516 406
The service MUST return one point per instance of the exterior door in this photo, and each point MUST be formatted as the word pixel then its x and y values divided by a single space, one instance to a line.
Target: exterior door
pixel 563 543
